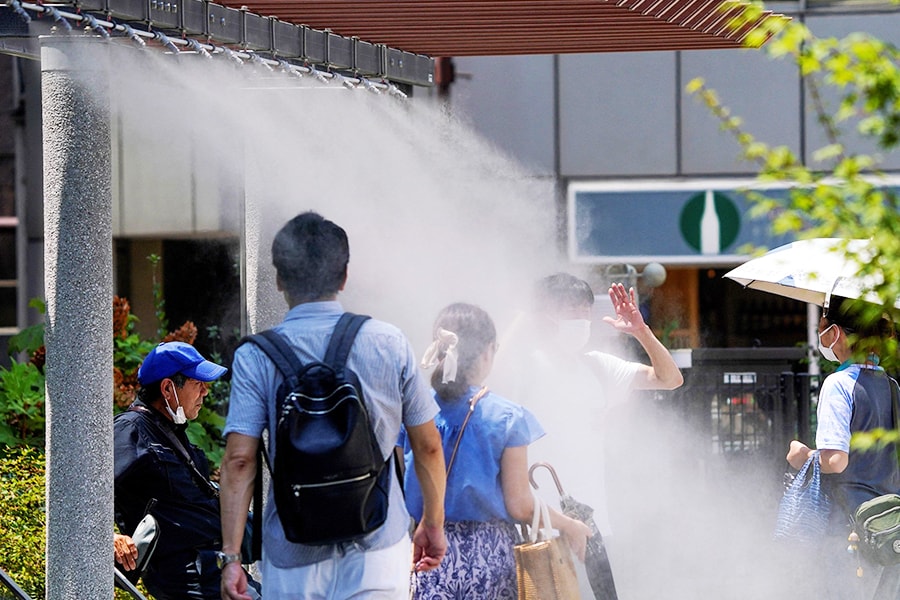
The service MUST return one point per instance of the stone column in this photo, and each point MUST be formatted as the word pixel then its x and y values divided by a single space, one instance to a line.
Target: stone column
pixel 78 284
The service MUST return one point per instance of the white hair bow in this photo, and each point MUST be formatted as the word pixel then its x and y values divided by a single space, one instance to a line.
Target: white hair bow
pixel 443 348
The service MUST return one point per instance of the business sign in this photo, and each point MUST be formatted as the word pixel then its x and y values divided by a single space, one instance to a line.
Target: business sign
pixel 690 223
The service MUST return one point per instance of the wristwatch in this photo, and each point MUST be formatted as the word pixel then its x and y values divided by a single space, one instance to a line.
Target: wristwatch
pixel 223 559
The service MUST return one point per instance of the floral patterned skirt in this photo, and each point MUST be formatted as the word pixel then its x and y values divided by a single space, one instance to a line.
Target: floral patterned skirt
pixel 479 564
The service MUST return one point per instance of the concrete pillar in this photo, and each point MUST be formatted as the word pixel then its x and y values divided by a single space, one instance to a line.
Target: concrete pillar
pixel 78 285
pixel 264 306
pixel 251 264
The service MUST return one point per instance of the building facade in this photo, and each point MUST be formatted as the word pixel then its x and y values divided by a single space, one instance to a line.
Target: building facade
pixel 639 166
pixel 636 159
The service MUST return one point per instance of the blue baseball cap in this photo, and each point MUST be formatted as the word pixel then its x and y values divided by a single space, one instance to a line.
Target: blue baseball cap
pixel 170 358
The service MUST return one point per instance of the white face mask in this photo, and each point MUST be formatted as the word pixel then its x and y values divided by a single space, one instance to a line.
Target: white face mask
pixel 573 334
pixel 178 416
pixel 827 351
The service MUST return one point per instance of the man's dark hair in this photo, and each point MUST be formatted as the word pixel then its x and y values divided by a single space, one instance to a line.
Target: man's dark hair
pixel 857 317
pixel 840 312
pixel 310 255
pixel 560 291
pixel 152 391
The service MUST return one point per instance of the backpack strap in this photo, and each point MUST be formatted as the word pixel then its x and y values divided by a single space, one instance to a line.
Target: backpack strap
pixel 279 352
pixel 285 360
pixel 895 401
pixel 342 339
pixel 201 480
pixel 336 357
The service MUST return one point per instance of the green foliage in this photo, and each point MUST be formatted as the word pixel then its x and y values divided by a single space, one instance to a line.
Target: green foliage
pixel 23 520
pixel 28 340
pixel 21 405
pixel 158 301
pixel 874 439
pixel 32 337
pixel 129 351
pixel 206 430
pixel 22 388
pixel 22 517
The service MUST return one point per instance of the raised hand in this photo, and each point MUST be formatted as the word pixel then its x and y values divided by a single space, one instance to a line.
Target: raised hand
pixel 628 316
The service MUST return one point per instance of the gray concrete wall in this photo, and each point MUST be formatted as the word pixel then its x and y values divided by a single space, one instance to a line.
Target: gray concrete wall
pixel 765 93
pixel 510 99
pixel 626 115
pixel 883 26
pixel 618 114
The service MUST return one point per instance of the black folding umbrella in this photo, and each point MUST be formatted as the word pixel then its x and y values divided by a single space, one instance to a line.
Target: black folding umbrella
pixel 596 561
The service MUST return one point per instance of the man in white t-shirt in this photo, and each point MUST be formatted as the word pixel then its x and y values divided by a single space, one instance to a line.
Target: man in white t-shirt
pixel 570 390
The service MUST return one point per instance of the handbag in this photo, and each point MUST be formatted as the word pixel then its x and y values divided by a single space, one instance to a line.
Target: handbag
pixel 877 523
pixel 145 538
pixel 804 509
pixel 544 566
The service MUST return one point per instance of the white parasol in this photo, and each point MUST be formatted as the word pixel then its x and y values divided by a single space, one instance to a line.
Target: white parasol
pixel 810 270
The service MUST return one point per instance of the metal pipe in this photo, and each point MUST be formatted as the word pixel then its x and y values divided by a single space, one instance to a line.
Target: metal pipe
pixel 812 337
pixel 238 56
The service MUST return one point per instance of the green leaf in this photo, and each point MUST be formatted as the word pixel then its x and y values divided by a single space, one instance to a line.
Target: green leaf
pixel 694 85
pixel 828 152
pixel 28 340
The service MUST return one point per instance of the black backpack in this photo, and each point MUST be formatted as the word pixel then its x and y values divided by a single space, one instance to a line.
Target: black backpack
pixel 330 480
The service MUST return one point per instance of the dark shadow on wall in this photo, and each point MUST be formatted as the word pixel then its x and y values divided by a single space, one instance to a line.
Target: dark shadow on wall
pixel 202 283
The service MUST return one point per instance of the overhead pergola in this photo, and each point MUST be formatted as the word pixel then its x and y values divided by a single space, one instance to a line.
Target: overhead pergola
pixel 498 27
pixel 394 40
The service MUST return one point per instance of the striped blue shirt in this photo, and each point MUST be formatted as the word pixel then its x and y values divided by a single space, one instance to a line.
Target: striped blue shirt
pixel 395 394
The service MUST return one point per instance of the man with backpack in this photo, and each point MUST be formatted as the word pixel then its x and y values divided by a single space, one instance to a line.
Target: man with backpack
pixel 330 392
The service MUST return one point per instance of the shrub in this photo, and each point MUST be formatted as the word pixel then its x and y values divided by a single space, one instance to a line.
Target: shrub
pixel 23 522
pixel 21 405
pixel 22 517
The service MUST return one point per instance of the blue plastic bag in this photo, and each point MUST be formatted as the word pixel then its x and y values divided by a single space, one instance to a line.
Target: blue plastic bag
pixel 805 508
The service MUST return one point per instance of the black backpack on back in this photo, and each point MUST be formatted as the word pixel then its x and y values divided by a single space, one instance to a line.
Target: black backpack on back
pixel 330 480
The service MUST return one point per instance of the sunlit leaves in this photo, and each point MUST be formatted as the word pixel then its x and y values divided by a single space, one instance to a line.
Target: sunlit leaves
pixel 853 87
pixel 828 152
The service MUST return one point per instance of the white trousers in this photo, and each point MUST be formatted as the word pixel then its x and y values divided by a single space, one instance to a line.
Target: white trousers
pixel 375 574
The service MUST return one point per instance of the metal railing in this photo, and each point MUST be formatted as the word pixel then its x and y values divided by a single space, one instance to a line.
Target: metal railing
pixel 749 403
pixel 9 590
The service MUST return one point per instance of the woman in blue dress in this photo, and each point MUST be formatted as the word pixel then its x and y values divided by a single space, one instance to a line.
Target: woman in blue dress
pixel 487 483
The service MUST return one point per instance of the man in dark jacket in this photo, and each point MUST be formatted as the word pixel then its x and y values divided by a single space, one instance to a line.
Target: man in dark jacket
pixel 158 470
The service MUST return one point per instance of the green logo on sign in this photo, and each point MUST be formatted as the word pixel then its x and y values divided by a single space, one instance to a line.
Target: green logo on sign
pixel 710 222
